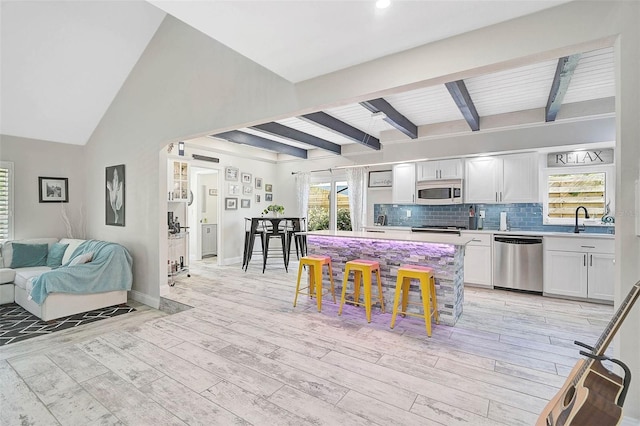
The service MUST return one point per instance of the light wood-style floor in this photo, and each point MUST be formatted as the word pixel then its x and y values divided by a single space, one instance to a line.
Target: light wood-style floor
pixel 244 355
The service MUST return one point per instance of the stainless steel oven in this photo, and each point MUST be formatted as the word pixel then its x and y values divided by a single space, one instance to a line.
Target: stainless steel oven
pixel 438 192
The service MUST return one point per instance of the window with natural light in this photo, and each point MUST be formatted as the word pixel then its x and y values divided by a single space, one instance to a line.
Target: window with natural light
pixel 6 203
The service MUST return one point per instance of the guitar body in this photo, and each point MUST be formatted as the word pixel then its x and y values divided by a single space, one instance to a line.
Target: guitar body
pixel 591 402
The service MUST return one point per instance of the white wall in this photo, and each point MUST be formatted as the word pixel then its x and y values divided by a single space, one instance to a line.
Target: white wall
pixel 207 182
pixel 34 158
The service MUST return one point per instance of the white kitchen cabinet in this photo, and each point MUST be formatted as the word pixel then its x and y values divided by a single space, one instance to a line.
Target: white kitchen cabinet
pixel 441 169
pixel 477 260
pixel 404 184
pixel 178 180
pixel 502 179
pixel 209 239
pixel 579 267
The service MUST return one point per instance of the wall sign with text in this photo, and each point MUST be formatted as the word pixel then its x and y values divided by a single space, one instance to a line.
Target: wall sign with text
pixel 590 157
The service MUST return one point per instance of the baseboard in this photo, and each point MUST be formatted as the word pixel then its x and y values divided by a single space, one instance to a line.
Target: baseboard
pixel 231 261
pixel 145 298
pixel 628 421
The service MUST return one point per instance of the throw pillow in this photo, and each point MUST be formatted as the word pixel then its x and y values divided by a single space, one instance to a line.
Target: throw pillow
pixel 56 253
pixel 81 258
pixel 28 255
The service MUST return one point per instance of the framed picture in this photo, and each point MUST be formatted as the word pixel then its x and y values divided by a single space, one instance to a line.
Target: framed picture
pixel 246 178
pixel 268 187
pixel 213 192
pixel 258 183
pixel 234 189
pixel 247 189
pixel 257 198
pixel 231 173
pixel 245 203
pixel 231 204
pixel 268 197
pixel 53 190
pixel 380 179
pixel 114 195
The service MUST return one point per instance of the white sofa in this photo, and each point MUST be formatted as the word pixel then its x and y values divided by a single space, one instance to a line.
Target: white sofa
pixel 15 285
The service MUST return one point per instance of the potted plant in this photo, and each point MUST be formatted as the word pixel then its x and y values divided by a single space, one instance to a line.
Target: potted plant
pixel 275 209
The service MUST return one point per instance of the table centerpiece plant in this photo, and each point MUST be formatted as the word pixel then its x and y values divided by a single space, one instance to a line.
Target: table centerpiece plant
pixel 275 209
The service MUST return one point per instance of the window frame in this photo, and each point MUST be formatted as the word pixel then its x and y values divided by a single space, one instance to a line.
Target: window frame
pixel 9 166
pixel 610 190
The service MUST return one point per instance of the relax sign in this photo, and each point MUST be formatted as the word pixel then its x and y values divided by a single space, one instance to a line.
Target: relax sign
pixel 580 158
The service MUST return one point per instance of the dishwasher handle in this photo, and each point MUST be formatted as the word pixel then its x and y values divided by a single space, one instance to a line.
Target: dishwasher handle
pixel 518 240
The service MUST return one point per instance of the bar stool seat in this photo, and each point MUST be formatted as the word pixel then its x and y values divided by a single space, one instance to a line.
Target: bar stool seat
pixel 362 268
pixel 315 264
pixel 427 290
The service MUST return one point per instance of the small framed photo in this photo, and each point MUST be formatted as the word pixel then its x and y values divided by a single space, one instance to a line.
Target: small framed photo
pixel 246 178
pixel 231 204
pixel 245 203
pixel 247 189
pixel 257 198
pixel 380 179
pixel 268 197
pixel 268 187
pixel 213 192
pixel 53 190
pixel 258 183
pixel 231 173
pixel 234 189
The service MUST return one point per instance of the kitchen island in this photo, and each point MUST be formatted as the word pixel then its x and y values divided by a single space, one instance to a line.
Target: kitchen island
pixel 444 253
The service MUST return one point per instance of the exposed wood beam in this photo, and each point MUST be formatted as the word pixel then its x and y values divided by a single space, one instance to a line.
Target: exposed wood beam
pixel 258 142
pixel 277 129
pixel 564 72
pixel 460 95
pixel 392 116
pixel 333 124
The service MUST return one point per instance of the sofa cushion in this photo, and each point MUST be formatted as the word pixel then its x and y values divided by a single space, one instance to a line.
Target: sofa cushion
pixel 7 275
pixel 27 255
pixel 73 245
pixel 7 248
pixel 23 276
pixel 56 253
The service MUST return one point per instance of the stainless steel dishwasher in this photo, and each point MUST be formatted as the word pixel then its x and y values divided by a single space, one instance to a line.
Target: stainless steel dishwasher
pixel 517 262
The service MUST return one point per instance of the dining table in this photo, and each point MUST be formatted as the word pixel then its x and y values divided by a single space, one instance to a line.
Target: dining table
pixel 283 227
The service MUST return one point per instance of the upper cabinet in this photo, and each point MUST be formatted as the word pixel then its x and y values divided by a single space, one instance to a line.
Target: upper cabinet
pixel 404 184
pixel 502 179
pixel 442 169
pixel 178 180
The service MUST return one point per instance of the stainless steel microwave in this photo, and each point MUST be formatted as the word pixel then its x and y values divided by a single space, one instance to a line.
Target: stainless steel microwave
pixel 438 192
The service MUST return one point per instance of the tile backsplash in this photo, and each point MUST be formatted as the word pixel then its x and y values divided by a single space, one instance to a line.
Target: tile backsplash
pixel 520 217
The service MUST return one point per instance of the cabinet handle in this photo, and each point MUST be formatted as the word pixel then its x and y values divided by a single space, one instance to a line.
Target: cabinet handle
pixel 500 195
pixel 588 246
pixel 584 260
pixel 496 196
pixel 590 260
pixel 475 239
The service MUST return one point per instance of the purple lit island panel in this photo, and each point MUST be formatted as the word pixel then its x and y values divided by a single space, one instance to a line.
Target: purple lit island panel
pixel 447 261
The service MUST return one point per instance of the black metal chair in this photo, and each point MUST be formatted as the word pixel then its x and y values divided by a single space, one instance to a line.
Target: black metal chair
pixel 294 227
pixel 275 228
pixel 252 227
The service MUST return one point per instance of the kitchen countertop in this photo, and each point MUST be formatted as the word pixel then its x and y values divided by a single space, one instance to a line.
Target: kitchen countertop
pixel 389 234
pixel 386 229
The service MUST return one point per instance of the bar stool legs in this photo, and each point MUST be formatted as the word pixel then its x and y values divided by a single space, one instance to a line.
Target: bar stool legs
pixel 427 291
pixel 362 270
pixel 314 265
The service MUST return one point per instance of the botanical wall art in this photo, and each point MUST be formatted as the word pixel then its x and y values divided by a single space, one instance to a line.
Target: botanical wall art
pixel 234 189
pixel 114 194
pixel 230 203
pixel 53 190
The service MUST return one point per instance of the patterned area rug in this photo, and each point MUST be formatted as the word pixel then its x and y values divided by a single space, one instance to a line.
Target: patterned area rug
pixel 18 324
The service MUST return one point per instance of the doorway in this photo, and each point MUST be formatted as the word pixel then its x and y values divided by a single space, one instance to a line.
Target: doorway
pixel 204 213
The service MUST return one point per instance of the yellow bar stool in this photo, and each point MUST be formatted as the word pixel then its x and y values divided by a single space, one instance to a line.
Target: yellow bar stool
pixel 361 268
pixel 314 264
pixel 427 289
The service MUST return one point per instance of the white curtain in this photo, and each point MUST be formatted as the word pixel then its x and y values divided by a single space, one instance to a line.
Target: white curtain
pixel 356 181
pixel 303 185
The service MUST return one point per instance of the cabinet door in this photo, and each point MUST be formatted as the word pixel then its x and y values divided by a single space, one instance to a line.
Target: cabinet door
pixel 520 179
pixel 404 183
pixel 565 273
pixel 450 169
pixel 428 170
pixel 481 184
pixel 477 265
pixel 601 276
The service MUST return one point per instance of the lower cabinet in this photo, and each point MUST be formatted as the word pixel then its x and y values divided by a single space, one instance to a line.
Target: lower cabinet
pixel 579 267
pixel 477 260
pixel 209 240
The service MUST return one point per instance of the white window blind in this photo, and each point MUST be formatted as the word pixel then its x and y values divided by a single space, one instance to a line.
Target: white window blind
pixel 6 202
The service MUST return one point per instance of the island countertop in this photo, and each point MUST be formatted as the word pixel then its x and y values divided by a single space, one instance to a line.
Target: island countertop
pixel 417 237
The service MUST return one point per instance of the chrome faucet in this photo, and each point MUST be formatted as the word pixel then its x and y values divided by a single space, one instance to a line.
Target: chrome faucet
pixel 586 216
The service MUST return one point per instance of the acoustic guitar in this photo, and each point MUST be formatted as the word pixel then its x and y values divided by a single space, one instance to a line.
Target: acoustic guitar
pixel 593 395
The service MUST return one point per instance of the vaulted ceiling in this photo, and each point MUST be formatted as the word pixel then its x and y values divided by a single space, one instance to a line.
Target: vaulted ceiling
pixel 63 62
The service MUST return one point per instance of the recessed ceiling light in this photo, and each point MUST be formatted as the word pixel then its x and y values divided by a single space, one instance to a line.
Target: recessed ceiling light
pixel 383 4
